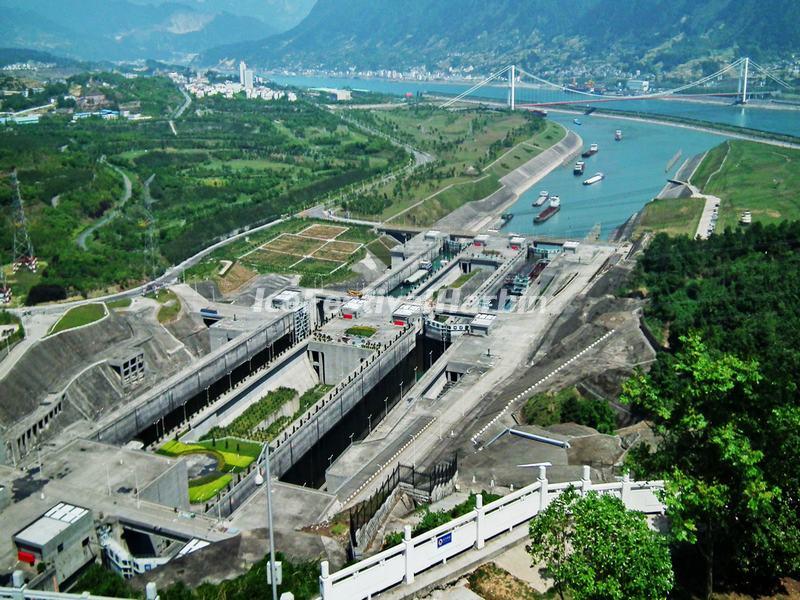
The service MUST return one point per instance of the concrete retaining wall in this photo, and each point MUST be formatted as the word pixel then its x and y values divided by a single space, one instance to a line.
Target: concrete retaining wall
pixel 320 418
pixel 183 386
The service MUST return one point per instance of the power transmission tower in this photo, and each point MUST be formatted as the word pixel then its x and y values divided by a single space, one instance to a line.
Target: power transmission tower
pixel 24 255
pixel 150 241
pixel 5 289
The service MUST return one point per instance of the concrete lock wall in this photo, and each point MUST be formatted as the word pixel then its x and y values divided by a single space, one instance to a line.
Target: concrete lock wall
pixel 400 564
pixel 171 488
pixel 338 361
pixel 183 386
pixel 395 276
pixel 319 419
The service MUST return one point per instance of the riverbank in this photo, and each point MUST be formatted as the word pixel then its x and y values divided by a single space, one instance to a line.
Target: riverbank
pixel 720 129
pixel 480 214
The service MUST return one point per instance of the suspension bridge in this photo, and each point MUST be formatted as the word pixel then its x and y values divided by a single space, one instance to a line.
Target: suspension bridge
pixel 739 81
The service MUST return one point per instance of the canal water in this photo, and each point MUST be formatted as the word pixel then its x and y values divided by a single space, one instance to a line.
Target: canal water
pixel 765 119
pixel 635 170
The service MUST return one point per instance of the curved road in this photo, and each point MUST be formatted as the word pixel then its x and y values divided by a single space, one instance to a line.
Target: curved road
pixel 111 214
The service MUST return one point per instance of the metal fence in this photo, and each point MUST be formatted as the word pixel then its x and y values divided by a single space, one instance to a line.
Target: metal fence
pixel 421 481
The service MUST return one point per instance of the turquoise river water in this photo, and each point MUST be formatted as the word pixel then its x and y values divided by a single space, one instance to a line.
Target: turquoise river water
pixel 635 168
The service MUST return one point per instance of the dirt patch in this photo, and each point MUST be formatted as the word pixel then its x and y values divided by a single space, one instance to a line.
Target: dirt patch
pixel 491 582
pixel 235 278
pixel 294 244
pixel 327 232
pixel 340 251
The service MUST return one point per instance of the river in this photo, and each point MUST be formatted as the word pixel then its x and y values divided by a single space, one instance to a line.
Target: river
pixel 765 119
pixel 635 171
pixel 635 168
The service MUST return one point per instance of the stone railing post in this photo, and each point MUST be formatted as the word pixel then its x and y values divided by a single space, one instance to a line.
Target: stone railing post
pixel 625 494
pixel 543 488
pixel 586 480
pixel 408 548
pixel 325 583
pixel 479 527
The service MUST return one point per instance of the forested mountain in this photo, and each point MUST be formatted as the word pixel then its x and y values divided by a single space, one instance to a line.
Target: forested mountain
pixel 279 15
pixel 659 34
pixel 122 29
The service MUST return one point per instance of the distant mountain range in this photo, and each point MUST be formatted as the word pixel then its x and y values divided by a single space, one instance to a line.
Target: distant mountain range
pixel 665 35
pixel 140 29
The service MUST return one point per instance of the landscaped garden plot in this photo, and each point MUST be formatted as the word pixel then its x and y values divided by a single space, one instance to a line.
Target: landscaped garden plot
pixel 339 251
pixel 327 232
pixel 314 270
pixel 294 244
pixel 212 462
pixel 265 261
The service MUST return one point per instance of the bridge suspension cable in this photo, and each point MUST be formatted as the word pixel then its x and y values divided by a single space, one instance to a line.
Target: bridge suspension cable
pixel 676 90
pixel 476 87
pixel 766 72
pixel 742 64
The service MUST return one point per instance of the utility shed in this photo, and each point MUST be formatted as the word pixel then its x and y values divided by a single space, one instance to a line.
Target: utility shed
pixel 571 247
pixel 481 324
pixel 60 537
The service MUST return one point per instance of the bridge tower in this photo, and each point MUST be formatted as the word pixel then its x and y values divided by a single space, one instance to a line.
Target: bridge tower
pixel 24 255
pixel 512 87
pixel 743 74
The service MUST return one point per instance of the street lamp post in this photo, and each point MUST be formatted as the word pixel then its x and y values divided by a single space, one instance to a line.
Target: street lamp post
pixel 386 406
pixel 401 389
pixel 369 421
pixel 271 537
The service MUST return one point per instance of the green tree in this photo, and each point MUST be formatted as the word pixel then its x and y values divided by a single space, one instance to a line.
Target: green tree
pixel 593 548
pixel 717 495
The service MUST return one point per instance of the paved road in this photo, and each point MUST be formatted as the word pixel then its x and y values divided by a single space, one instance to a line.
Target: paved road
pixel 186 103
pixel 111 214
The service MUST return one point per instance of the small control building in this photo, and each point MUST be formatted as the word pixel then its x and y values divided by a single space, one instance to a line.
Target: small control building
pixel 60 538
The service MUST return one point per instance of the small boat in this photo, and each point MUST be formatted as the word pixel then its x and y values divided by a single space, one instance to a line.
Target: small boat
pixel 553 208
pixel 506 217
pixel 594 179
pixel 593 149
pixel 543 196
pixel 576 121
pixel 618 135
pixel 579 167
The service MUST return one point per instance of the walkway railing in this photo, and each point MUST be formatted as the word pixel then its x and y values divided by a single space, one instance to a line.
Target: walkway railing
pixel 469 533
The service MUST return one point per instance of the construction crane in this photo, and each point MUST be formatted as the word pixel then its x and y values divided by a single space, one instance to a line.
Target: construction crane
pixel 24 256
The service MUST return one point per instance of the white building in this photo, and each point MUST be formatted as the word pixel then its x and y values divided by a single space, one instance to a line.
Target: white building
pixel 248 79
pixel 242 72
pixel 641 86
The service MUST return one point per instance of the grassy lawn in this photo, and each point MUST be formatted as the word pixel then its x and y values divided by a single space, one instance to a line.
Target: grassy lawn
pixel 203 492
pixel 474 149
pixel 78 316
pixel 757 177
pixel 170 305
pixel 464 278
pixel 381 251
pixel 117 304
pixel 361 331
pixel 232 455
pixel 711 163
pixel 675 216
